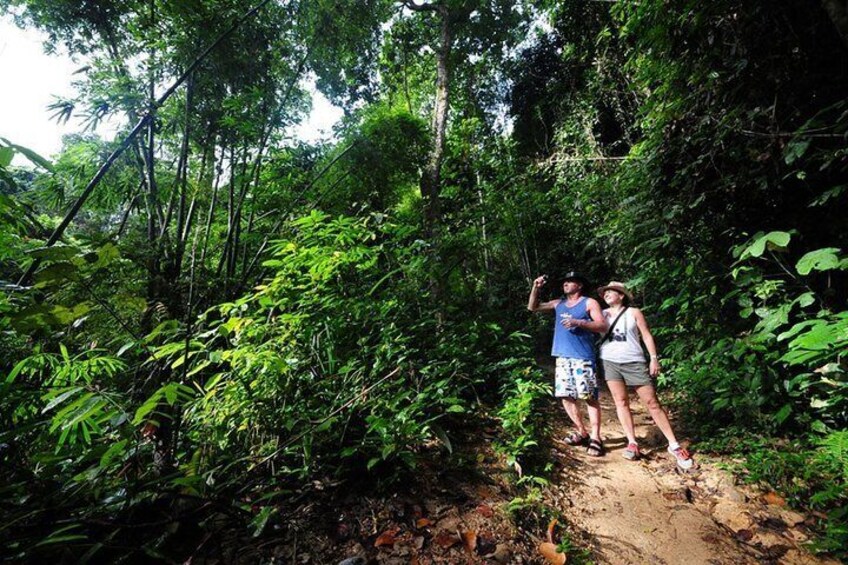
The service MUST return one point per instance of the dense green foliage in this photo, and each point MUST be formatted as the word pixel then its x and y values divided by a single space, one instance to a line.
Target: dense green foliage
pixel 232 313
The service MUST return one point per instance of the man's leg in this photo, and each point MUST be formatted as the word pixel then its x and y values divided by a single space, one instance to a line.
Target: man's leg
pixel 594 409
pixel 648 396
pixel 622 408
pixel 573 411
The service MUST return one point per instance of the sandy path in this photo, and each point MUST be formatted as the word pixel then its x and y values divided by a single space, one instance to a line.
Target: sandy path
pixel 645 512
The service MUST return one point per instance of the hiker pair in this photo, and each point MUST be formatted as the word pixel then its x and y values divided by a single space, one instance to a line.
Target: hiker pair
pixel 623 330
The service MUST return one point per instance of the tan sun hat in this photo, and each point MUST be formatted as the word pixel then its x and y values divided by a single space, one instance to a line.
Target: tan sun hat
pixel 616 286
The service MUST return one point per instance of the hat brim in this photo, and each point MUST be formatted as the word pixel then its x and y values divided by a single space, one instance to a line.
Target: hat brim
pixel 603 289
pixel 581 280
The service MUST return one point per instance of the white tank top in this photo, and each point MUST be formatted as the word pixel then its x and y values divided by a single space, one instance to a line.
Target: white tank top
pixel 624 344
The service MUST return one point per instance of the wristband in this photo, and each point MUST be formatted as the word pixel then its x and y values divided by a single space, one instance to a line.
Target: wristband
pixel 655 357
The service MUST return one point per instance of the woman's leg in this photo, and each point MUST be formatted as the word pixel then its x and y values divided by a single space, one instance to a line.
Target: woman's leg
pixel 622 408
pixel 648 396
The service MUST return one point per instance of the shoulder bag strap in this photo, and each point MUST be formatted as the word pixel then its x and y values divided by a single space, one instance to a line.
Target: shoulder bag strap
pixel 614 322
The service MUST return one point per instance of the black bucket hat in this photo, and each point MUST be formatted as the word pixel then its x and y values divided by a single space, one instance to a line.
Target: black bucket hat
pixel 575 276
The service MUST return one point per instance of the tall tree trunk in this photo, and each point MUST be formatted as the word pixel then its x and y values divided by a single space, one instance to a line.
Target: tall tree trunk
pixel 182 213
pixel 432 177
pixel 219 170
pixel 486 260
pixel 223 261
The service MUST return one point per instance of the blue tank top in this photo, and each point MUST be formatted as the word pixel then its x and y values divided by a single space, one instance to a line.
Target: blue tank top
pixel 574 342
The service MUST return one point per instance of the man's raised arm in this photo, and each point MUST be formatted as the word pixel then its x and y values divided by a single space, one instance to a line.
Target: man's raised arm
pixel 533 302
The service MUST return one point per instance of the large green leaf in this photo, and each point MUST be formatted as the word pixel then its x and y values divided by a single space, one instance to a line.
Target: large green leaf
pixel 819 260
pixel 795 149
pixel 34 157
pixel 775 240
pixel 6 155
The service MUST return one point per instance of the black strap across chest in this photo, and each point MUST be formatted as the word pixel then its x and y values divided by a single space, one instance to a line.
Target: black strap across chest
pixel 608 335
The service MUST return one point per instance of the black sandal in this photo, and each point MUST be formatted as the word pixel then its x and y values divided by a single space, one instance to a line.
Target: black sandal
pixel 575 439
pixel 595 449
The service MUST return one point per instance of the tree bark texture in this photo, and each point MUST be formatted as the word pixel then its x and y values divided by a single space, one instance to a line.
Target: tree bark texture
pixel 432 176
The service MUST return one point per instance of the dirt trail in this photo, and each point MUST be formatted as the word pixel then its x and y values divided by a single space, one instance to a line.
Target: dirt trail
pixel 645 512
pixel 465 507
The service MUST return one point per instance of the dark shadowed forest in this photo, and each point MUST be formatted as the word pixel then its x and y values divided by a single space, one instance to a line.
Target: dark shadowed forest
pixel 208 325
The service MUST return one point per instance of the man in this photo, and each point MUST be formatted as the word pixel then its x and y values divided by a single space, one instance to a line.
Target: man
pixel 577 317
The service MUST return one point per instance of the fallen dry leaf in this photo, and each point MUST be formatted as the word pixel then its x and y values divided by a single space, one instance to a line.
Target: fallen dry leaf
pixel 470 540
pixel 774 498
pixel 485 510
pixel 551 525
pixel 386 538
pixel 149 430
pixel 744 535
pixel 549 552
pixel 485 492
pixel 446 539
pixel 422 522
pixel 485 545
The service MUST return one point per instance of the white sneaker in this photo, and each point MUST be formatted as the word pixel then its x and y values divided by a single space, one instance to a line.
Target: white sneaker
pixel 684 460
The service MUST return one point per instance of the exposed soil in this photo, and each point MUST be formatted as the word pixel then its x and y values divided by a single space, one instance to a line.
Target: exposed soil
pixel 648 512
pixel 466 508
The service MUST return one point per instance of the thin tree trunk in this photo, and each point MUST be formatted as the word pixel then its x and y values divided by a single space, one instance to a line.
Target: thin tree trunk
pixel 126 215
pixel 231 198
pixel 182 214
pixel 486 260
pixel 406 81
pixel 432 176
pixel 214 202
pixel 192 208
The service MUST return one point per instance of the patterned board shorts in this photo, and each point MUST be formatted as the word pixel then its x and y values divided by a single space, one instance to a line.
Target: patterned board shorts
pixel 575 378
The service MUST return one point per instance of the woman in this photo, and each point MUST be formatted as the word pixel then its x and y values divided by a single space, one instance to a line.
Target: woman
pixel 624 365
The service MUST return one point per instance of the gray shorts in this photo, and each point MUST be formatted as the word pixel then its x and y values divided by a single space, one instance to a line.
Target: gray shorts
pixel 632 374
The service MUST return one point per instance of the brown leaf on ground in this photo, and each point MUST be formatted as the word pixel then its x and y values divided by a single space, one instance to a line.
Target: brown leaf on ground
pixel 149 430
pixel 485 492
pixel 470 540
pixel 422 523
pixel 550 553
pixel 387 537
pixel 774 498
pixel 485 545
pixel 445 539
pixel 744 535
pixel 485 510
pixel 551 525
